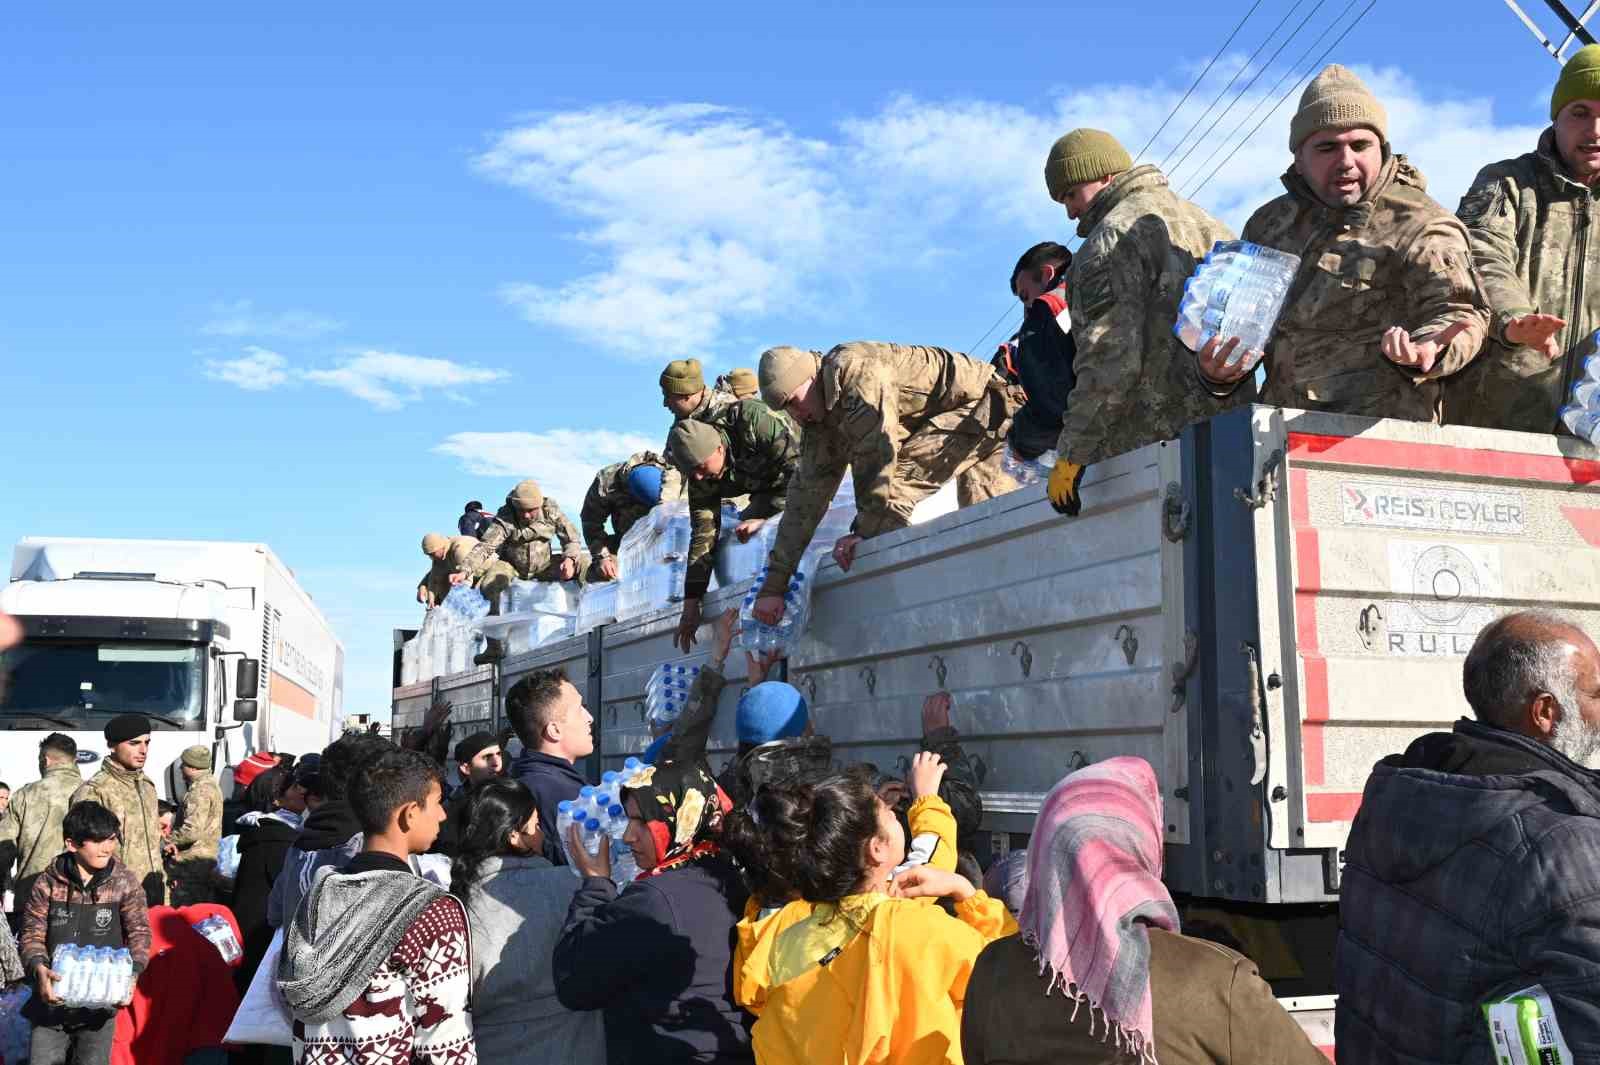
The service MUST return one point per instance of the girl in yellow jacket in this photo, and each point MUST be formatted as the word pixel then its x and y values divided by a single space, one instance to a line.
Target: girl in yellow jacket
pixel 870 977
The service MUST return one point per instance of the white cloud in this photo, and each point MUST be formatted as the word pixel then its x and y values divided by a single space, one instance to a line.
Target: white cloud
pixel 563 461
pixel 705 224
pixel 389 380
pixel 257 370
pixel 240 318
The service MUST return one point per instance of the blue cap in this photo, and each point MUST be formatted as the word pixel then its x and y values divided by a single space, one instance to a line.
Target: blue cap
pixel 644 484
pixel 771 711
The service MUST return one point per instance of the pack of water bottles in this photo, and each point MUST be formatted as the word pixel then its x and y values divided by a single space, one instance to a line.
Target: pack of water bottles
pixel 597 605
pixel 652 560
pixel 1581 415
pixel 448 638
pixel 16 1033
pixel 219 933
pixel 667 691
pixel 1238 290
pixel 598 812
pixel 95 978
pixel 1027 471
pixel 228 857
pixel 534 613
pixel 759 638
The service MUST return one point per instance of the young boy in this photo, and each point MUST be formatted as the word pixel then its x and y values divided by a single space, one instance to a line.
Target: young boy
pixel 89 898
pixel 375 965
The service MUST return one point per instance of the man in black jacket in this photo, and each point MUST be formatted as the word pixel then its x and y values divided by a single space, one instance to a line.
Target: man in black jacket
pixel 478 758
pixel 556 730
pixel 1040 356
pixel 1473 866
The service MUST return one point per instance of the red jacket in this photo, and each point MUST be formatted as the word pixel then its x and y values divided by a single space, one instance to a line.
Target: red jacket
pixel 185 998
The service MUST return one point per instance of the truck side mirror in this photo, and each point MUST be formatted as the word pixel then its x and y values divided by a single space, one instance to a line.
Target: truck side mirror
pixel 244 710
pixel 247 679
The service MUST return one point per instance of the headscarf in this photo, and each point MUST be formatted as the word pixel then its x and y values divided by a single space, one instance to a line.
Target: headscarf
pixel 1094 887
pixel 683 808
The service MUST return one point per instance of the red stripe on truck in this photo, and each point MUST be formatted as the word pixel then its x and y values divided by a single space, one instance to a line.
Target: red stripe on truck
pixel 1586 521
pixel 1307 584
pixel 1333 806
pixel 292 697
pixel 1442 458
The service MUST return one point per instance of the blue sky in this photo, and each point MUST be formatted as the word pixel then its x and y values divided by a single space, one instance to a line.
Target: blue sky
pixel 317 278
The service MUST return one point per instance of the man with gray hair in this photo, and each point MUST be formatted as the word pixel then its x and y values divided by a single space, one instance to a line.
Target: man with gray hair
pixel 1473 867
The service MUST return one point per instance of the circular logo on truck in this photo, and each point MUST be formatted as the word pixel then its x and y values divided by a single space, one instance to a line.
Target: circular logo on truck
pixel 1444 584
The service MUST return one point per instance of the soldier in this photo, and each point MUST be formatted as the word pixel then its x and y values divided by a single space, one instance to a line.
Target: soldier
pixel 741 383
pixel 622 493
pixel 1135 382
pixel 905 419
pixel 1042 353
pixel 1529 219
pixel 743 449
pixel 684 393
pixel 516 545
pixel 449 554
pixel 1385 302
pixel 122 787
pixel 30 831
pixel 193 845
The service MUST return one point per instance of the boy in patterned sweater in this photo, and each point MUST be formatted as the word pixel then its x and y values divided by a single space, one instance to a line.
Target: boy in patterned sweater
pixel 375 966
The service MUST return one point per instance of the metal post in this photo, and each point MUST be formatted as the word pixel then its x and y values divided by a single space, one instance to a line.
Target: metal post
pixel 1574 25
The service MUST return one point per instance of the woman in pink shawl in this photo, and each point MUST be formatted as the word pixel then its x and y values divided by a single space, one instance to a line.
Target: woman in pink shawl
pixel 1100 974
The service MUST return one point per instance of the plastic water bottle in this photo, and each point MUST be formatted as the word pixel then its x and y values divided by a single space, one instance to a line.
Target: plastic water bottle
pixel 100 978
pixel 1582 422
pixel 124 981
pixel 565 819
pixel 592 837
pixel 1027 471
pixel 1238 290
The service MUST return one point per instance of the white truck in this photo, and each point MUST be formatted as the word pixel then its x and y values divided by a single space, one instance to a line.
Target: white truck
pixel 215 642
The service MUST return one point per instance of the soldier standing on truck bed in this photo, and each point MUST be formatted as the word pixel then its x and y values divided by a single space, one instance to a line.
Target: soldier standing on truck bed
pixel 449 554
pixel 904 418
pixel 1385 302
pixel 684 393
pixel 1530 219
pixel 741 383
pixel 1042 353
pixel 622 493
pixel 742 450
pixel 1135 382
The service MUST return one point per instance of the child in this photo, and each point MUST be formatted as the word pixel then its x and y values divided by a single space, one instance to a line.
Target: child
pixel 375 965
pixel 89 898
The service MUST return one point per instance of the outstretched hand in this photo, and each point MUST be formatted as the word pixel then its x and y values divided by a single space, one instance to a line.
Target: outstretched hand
pixel 1419 355
pixel 1537 331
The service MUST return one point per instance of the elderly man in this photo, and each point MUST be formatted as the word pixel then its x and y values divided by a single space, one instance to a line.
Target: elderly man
pixel 1135 383
pixel 1473 867
pixel 1385 302
pixel 620 495
pixel 1529 219
pixel 448 554
pixel 904 419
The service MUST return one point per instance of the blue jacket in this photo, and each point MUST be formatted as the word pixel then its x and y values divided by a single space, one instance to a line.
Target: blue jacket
pixel 553 781
pixel 1473 871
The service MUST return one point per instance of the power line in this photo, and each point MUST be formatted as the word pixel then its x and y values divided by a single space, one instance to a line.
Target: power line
pixel 1216 56
pixel 1248 85
pixel 1305 77
pixel 1231 83
pixel 976 345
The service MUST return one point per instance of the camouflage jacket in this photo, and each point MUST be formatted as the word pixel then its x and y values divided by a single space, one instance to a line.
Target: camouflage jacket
pixel 608 498
pixel 437 579
pixel 1136 382
pixel 1395 258
pixel 132 797
pixel 525 547
pixel 33 820
pixel 1530 228
pixel 715 399
pixel 874 396
pixel 763 453
pixel 200 832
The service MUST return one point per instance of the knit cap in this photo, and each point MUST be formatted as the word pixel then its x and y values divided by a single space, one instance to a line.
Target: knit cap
pixel 771 711
pixel 691 442
pixel 434 543
pixel 1336 99
pixel 1579 80
pixel 526 496
pixel 474 745
pixel 783 371
pixel 682 377
pixel 1083 155
pixel 743 381
pixel 196 757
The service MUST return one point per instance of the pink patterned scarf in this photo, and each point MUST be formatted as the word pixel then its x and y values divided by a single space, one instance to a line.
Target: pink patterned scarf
pixel 1094 884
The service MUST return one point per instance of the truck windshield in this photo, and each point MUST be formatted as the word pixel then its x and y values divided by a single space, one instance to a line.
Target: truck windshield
pixel 77 683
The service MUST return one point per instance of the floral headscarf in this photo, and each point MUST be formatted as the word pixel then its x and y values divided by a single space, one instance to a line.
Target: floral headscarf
pixel 683 807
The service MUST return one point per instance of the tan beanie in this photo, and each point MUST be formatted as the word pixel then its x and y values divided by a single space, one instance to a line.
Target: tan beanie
pixel 196 757
pixel 743 381
pixel 433 543
pixel 1083 155
pixel 682 377
pixel 691 442
pixel 1336 99
pixel 526 496
pixel 1580 79
pixel 783 370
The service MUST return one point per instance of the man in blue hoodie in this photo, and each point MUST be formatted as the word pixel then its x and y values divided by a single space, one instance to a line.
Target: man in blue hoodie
pixel 556 729
pixel 1473 866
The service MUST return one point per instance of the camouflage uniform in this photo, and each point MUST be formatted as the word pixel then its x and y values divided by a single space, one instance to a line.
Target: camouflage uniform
pixel 1136 382
pixel 197 839
pixel 1529 223
pixel 905 419
pixel 609 498
pixel 132 797
pixel 1395 258
pixel 511 551
pixel 437 581
pixel 762 454
pixel 32 823
pixel 715 399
